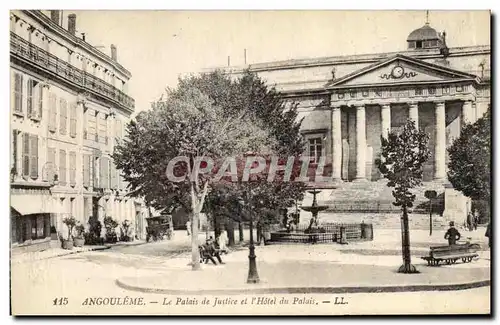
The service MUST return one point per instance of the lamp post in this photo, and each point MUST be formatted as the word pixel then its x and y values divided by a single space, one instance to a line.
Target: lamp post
pixel 253 275
pixel 430 195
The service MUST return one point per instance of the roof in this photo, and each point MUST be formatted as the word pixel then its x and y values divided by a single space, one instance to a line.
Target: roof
pixel 424 33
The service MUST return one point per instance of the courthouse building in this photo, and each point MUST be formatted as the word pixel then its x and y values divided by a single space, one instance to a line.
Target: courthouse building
pixel 348 102
pixel 69 105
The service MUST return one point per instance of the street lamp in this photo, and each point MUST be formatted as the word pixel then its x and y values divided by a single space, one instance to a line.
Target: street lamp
pixel 430 195
pixel 253 275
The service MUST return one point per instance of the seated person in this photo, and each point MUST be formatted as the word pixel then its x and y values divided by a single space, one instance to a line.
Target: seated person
pixel 210 251
pixel 452 235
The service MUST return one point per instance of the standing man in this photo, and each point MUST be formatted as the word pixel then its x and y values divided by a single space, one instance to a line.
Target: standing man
pixel 452 235
pixel 188 227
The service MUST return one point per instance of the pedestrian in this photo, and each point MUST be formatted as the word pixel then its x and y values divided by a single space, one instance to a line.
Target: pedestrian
pixel 476 220
pixel 452 234
pixel 469 220
pixel 222 241
pixel 488 234
pixel 188 227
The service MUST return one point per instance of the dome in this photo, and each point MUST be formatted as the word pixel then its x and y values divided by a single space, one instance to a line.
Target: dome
pixel 425 33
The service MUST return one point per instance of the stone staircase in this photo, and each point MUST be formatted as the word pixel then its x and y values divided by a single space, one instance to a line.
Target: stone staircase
pixel 373 197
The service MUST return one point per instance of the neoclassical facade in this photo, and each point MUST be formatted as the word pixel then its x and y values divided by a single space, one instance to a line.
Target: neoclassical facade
pixel 347 103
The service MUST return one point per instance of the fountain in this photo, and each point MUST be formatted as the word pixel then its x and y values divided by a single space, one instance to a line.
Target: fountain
pixel 314 208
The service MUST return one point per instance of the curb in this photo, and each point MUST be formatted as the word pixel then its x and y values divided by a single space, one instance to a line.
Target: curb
pixel 102 248
pixel 311 290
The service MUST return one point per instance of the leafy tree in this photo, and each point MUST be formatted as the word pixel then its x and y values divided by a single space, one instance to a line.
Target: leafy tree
pixel 187 123
pixel 470 155
pixel 251 98
pixel 402 157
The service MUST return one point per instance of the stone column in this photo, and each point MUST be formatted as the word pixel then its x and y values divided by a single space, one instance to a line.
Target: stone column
pixel 413 113
pixel 386 119
pixel 440 143
pixel 336 144
pixel 360 143
pixel 467 112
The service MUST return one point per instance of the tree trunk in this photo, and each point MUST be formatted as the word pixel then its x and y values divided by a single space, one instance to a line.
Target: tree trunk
pixel 407 267
pixel 230 232
pixel 195 253
pixel 240 229
pixel 217 225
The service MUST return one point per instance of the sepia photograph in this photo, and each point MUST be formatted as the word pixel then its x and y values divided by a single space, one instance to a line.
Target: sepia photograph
pixel 250 162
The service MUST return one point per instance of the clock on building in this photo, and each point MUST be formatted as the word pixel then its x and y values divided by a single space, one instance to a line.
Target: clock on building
pixel 397 72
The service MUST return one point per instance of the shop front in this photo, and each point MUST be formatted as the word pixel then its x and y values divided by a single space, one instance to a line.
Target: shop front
pixel 30 218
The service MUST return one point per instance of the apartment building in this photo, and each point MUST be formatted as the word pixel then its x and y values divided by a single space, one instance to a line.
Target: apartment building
pixel 69 107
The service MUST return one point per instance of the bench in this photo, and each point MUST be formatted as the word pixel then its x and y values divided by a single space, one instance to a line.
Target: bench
pixel 451 254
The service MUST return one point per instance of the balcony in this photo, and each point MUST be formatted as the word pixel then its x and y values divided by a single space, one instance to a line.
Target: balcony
pixel 46 61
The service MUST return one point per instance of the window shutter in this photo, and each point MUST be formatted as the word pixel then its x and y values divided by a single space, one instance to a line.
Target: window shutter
pixel 62 167
pixel 53 112
pixel 34 157
pixel 14 152
pixel 101 172
pixel 72 168
pixel 113 176
pixel 40 101
pixel 106 172
pixel 63 116
pixel 18 92
pixel 86 170
pixel 51 164
pixel 95 171
pixel 30 97
pixel 26 154
pixel 72 121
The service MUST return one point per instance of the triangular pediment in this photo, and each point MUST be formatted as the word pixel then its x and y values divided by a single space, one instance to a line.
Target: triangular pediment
pixel 400 69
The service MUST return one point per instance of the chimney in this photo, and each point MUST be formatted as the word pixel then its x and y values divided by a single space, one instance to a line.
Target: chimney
pixel 72 24
pixel 113 52
pixel 55 16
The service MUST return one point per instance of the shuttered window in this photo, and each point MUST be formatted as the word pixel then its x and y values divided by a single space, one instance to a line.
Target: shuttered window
pixel 62 167
pixel 72 120
pixel 113 176
pixel 52 112
pixel 13 162
pixel 91 125
pixel 63 116
pixel 40 101
pixel 104 172
pixel 18 93
pixel 72 168
pixel 26 155
pixel 95 171
pixel 51 165
pixel 30 156
pixel 102 128
pixel 86 170
pixel 31 97
pixel 34 157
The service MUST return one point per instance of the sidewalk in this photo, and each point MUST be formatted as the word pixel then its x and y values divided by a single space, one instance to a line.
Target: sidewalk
pixel 58 252
pixel 317 269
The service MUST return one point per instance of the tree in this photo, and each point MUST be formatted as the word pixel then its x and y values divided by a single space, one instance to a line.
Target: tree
pixel 469 169
pixel 250 97
pixel 186 124
pixel 402 157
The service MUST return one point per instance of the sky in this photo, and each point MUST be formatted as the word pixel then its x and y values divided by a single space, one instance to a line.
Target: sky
pixel 158 46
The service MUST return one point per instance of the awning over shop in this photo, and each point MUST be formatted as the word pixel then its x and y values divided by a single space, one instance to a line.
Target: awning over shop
pixel 34 204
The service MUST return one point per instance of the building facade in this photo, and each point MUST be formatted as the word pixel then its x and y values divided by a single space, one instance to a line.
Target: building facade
pixel 347 103
pixel 69 106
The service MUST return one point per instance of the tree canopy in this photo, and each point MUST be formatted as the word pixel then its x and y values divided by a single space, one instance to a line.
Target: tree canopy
pixel 469 169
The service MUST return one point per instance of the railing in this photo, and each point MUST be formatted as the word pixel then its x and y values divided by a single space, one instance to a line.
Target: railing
pixel 375 206
pixel 45 60
pixel 325 233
